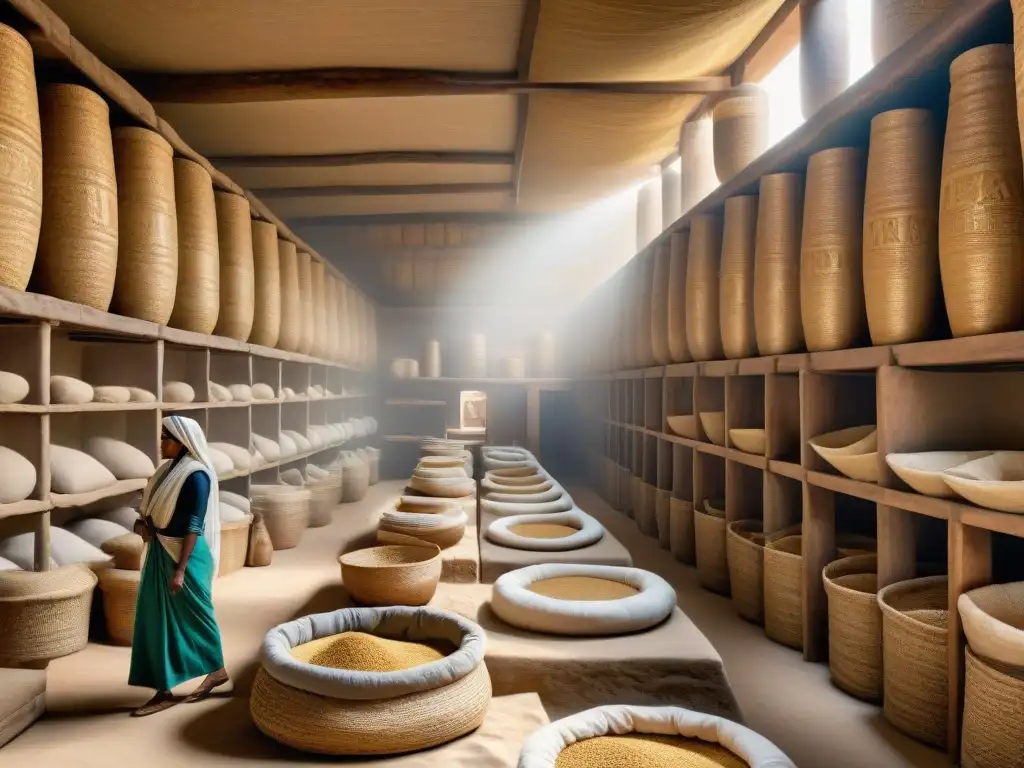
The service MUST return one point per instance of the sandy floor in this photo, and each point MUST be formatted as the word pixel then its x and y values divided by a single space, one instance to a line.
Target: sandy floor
pixel 789 701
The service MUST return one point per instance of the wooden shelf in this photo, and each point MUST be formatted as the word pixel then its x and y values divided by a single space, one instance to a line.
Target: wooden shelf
pixel 487 381
pixel 67 500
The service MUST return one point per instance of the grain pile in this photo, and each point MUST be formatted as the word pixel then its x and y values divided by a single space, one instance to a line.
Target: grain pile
pixel 582 588
pixel 542 530
pixel 364 652
pixel 646 750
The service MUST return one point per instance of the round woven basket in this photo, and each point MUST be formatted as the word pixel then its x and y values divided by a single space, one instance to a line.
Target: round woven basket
pixel 659 305
pixel 901 248
pixel 319 348
pixel 46 613
pixel 392 575
pixel 698 177
pixel 147 236
pixel 120 594
pixel 709 534
pixel 128 551
pixel 831 280
pixel 745 554
pixel 824 53
pixel 914 657
pixel 854 626
pixel 21 158
pixel 679 248
pixel 266 322
pixel 681 530
pixel 197 299
pixel 285 512
pixel 894 22
pixel 325 495
pixel 237 273
pixel 777 264
pixel 234 545
pixel 980 237
pixel 740 130
pixel 355 482
pixel 783 584
pixel 77 259
pixel 703 333
pixel 291 318
pixel 993 729
pixel 736 277
pixel 306 311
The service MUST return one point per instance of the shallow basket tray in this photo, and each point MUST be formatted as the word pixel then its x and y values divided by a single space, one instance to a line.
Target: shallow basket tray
pixel 852 451
pixel 995 481
pixel 684 425
pixel 714 426
pixel 45 614
pixel 749 440
pixel 343 712
pixel 392 574
pixel 993 619
pixel 854 625
pixel 924 471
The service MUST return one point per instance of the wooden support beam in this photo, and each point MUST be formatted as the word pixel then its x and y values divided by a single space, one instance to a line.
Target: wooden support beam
pixel 779 36
pixel 359 82
pixel 527 37
pixel 364 158
pixel 344 190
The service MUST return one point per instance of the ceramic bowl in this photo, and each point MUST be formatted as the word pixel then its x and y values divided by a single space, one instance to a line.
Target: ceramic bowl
pixel 995 481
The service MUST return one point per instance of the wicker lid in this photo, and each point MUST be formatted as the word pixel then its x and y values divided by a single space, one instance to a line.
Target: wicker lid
pixel 68 581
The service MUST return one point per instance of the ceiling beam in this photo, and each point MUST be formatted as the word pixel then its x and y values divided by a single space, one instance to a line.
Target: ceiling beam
pixel 527 37
pixel 355 190
pixel 351 82
pixel 453 217
pixel 364 158
pixel 779 36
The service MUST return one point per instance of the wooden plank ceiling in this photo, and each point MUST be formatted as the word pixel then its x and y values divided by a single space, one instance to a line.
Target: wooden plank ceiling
pixel 336 108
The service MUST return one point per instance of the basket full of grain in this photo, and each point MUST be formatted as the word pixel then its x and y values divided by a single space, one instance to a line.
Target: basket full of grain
pixel 77 259
pixel 703 332
pixel 736 278
pixel 147 238
pixel 266 322
pixel 982 201
pixel 777 264
pixel 21 161
pixel 831 279
pixel 197 299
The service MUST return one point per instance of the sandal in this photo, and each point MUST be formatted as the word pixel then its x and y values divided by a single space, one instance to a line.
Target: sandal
pixel 213 680
pixel 161 700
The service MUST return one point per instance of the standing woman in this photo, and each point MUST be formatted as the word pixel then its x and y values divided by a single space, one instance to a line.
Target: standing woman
pixel 176 635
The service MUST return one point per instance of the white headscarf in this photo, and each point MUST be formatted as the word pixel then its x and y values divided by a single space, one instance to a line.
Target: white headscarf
pixel 161 493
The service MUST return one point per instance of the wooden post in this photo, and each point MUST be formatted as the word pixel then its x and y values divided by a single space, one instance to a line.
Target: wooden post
pixel 818 550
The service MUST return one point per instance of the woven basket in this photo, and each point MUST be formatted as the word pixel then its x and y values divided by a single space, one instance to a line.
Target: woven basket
pixel 736 278
pixel 392 575
pixel 854 626
pixel 783 590
pixel 120 595
pixel 266 323
pixel 659 305
pixel 901 249
pixel 894 22
pixel 237 273
pixel 681 531
pixel 679 246
pixel 325 495
pixel 696 162
pixel 740 130
pixel 993 621
pixel 197 299
pixel 291 316
pixel 319 309
pixel 710 549
pixel 745 554
pixel 21 157
pixel 993 729
pixel 831 280
pixel 980 243
pixel 128 551
pixel 914 657
pixel 77 259
pixel 285 512
pixel 234 545
pixel 703 332
pixel 44 615
pixel 147 237
pixel 824 53
pixel 355 482
pixel 306 311
pixel 777 264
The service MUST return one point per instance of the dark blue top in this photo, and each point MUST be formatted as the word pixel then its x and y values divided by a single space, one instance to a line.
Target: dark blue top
pixel 190 508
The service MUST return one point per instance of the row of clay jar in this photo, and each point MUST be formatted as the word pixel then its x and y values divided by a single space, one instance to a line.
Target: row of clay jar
pixel 110 219
pixel 867 247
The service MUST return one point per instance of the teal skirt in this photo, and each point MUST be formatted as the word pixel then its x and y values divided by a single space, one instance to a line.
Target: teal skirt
pixel 176 636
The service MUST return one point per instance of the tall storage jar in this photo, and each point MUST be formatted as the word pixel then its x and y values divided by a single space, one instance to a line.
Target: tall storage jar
pixel 291 316
pixel 266 321
pixel 197 300
pixel 777 264
pixel 237 275
pixel 736 281
pixel 703 333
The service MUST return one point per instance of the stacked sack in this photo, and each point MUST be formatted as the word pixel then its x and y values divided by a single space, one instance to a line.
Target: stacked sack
pixel 442 477
pixel 421 519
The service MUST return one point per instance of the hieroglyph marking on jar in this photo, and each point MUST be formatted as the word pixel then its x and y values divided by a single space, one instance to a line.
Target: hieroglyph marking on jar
pixel 100 205
pixel 17 167
pixel 905 229
pixel 971 196
pixel 826 259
